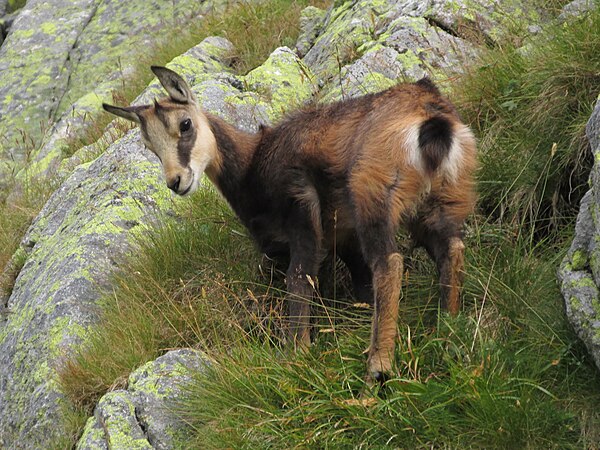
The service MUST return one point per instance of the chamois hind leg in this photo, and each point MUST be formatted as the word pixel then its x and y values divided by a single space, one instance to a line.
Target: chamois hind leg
pixel 301 276
pixel 442 238
pixel 379 249
pixel 380 196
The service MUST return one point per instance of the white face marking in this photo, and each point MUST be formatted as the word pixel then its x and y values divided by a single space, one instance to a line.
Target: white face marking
pixel 203 153
pixel 162 137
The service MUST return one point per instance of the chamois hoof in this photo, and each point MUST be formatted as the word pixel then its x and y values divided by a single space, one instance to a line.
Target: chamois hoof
pixel 376 379
pixel 378 370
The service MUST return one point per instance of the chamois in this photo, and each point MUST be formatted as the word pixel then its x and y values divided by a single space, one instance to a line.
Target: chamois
pixel 346 174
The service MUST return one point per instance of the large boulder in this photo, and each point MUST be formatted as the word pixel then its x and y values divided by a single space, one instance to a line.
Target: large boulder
pixel 399 39
pixel 71 249
pixel 579 273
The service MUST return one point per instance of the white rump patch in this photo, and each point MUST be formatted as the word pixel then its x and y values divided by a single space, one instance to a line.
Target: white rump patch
pixel 453 162
pixel 413 152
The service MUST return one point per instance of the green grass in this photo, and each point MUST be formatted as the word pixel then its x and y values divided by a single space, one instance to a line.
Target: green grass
pixel 16 214
pixel 256 28
pixel 507 373
pixel 529 107
pixel 182 286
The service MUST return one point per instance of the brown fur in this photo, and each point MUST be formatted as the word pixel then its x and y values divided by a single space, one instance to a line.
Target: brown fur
pixel 387 282
pixel 343 175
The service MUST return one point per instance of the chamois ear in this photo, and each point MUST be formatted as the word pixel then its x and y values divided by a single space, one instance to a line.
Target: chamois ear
pixel 174 84
pixel 129 112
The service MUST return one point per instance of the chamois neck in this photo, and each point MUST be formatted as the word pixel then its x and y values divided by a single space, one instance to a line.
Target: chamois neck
pixel 235 149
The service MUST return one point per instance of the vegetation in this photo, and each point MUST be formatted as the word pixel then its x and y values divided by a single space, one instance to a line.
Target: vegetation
pixel 507 373
pixel 529 105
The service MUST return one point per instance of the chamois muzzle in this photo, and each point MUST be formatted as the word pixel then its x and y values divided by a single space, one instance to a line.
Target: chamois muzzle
pixel 174 184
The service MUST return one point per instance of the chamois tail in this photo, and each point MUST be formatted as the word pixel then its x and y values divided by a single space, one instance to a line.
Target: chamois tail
pixel 435 141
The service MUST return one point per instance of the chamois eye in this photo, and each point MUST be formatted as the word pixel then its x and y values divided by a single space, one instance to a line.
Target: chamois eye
pixel 185 125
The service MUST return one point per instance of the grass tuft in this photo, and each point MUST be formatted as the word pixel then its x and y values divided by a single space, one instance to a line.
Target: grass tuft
pixel 529 106
pixel 256 28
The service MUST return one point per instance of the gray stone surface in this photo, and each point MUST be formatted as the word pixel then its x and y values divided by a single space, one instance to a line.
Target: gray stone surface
pixel 57 51
pixel 391 42
pixel 311 23
pixel 72 247
pixel 142 415
pixel 576 8
pixel 350 28
pixel 579 273
pixel 212 55
pixel 592 128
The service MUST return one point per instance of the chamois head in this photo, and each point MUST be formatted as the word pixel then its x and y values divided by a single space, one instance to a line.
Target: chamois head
pixel 176 130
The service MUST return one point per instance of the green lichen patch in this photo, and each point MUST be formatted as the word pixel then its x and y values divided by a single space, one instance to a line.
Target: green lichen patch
pixel 579 260
pixel 349 26
pixel 118 29
pixel 31 86
pixel 122 430
pixel 246 110
pixel 284 81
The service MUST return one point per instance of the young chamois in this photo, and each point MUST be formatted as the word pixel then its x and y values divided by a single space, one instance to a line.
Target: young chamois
pixel 346 174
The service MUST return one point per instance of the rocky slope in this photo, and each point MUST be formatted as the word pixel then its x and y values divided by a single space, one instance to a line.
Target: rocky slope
pixel 61 59
pixel 110 196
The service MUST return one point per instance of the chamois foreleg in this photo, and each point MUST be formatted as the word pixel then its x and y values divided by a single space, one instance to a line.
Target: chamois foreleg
pixel 301 276
pixel 360 272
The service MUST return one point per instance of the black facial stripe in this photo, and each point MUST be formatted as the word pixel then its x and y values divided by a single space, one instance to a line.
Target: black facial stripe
pixel 185 145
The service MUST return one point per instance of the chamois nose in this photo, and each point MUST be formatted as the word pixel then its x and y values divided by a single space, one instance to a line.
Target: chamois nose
pixel 174 184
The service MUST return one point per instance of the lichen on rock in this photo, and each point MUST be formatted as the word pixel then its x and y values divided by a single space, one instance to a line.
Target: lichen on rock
pixel 142 415
pixel 283 81
pixel 579 273
pixel 70 46
pixel 72 247
pixel 212 55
